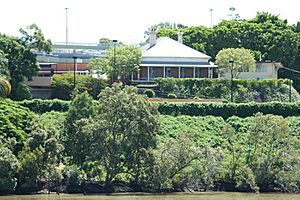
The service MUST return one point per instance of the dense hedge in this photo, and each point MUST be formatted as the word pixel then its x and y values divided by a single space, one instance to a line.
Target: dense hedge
pixel 14 121
pixel 41 106
pixel 243 90
pixel 226 110
pixel 63 85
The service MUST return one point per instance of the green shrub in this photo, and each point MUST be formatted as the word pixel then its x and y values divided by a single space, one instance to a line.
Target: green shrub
pixel 150 93
pixel 243 90
pixel 227 110
pixel 41 106
pixel 172 96
pixel 74 178
pixel 206 128
pixel 63 85
pixel 21 92
pixel 14 121
pixel 8 171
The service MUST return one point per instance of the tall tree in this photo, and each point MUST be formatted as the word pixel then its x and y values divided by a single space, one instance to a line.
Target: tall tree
pixel 163 25
pixel 21 59
pixel 272 152
pixel 120 63
pixel 105 41
pixel 124 129
pixel 77 143
pixel 33 39
pixel 241 61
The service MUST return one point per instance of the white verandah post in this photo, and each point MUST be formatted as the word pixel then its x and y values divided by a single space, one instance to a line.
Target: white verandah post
pixel 148 74
pixel 194 72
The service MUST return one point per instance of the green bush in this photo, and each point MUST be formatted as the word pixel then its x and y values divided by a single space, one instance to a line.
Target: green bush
pixel 150 93
pixel 243 90
pixel 41 106
pixel 75 178
pixel 227 110
pixel 63 85
pixel 21 92
pixel 8 171
pixel 14 121
pixel 172 96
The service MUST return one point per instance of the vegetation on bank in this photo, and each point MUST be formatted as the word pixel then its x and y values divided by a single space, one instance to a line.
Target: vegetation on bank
pixel 257 153
pixel 224 110
pixel 120 143
pixel 266 90
pixel 14 121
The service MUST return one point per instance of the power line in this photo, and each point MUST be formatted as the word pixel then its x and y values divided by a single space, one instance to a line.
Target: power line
pixel 291 70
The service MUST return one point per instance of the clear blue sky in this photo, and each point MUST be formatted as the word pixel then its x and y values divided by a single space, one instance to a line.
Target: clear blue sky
pixel 126 20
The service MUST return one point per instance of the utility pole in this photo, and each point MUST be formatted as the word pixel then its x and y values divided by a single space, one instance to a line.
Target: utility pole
pixel 211 17
pixel 114 67
pixel 67 25
pixel 232 9
pixel 75 69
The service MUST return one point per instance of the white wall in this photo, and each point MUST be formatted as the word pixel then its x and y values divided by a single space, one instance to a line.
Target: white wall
pixel 263 71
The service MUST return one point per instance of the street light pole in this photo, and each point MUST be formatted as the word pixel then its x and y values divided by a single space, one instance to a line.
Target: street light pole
pixel 290 92
pixel 231 79
pixel 66 26
pixel 211 17
pixel 75 69
pixel 114 67
pixel 232 9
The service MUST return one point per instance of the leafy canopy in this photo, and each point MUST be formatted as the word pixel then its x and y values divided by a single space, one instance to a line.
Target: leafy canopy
pixel 120 63
pixel 242 61
pixel 118 135
pixel 20 58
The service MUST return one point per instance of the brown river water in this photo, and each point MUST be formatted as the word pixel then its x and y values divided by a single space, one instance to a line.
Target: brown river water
pixel 177 196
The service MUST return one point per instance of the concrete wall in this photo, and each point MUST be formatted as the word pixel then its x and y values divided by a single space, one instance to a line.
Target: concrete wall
pixel 41 93
pixel 40 81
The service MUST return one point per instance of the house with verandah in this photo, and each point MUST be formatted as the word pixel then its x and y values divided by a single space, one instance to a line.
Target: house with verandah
pixel 165 57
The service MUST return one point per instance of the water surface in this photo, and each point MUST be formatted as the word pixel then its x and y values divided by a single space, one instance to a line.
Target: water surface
pixel 179 196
